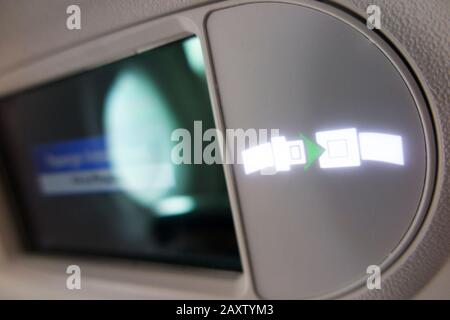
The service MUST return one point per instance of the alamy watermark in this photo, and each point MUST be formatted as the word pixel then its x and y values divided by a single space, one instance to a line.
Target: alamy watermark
pixel 73 281
pixel 73 21
pixel 373 17
pixel 374 279
pixel 214 146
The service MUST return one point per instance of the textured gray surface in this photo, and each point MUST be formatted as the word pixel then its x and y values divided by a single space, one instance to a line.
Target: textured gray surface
pixel 33 29
pixel 30 30
pixel 423 30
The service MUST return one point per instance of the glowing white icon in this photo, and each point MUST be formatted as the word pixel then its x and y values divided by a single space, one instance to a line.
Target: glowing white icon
pixel 287 153
pixel 258 158
pixel 347 147
pixel 278 153
pixel 381 147
pixel 341 149
pixel 296 152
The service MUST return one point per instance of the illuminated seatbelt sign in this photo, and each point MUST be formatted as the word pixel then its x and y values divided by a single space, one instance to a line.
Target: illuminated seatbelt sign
pixel 342 148
pixel 278 153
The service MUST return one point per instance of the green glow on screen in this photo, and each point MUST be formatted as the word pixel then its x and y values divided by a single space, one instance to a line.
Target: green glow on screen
pixel 136 120
pixel 142 109
pixel 193 51
pixel 175 205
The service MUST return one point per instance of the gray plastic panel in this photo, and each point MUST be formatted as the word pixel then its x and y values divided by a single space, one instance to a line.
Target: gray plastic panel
pixel 297 69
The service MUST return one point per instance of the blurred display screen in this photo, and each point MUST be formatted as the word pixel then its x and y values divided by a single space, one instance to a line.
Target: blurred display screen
pixel 89 161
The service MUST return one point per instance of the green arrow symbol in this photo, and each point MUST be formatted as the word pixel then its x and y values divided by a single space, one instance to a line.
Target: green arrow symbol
pixel 313 151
